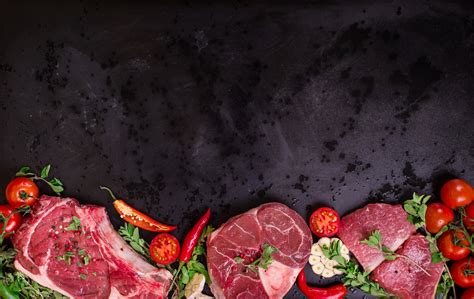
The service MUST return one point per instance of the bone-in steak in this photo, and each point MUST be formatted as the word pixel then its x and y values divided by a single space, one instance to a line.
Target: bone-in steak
pixel 390 220
pixel 90 261
pixel 244 235
pixel 404 279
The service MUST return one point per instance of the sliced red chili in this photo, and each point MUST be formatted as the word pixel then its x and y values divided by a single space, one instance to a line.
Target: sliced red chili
pixel 137 218
pixel 324 222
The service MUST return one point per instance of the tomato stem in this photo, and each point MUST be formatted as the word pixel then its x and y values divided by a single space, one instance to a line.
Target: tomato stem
pixel 451 277
pixel 110 192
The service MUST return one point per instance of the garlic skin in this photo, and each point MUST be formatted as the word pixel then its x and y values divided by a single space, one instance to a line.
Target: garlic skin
pixel 193 289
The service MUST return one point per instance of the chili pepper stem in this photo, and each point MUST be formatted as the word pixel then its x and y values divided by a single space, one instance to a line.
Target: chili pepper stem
pixel 110 192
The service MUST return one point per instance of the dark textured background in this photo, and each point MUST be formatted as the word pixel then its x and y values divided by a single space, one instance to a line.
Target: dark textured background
pixel 179 107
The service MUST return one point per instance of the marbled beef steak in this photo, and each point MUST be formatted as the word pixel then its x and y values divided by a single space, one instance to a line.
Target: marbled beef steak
pixel 390 220
pixel 90 261
pixel 274 224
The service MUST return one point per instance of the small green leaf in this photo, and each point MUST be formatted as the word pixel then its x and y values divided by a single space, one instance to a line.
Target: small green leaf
pixel 410 209
pixel 57 189
pixel 422 212
pixel 390 257
pixel 238 259
pixel 198 250
pixel 339 259
pixel 184 275
pixel 436 257
pixel 136 234
pixel 87 260
pixel 75 224
pixel 24 171
pixel 45 171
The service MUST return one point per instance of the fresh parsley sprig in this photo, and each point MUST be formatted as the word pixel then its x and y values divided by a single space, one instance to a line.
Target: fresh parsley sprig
pixel 263 261
pixel 131 234
pixel 355 277
pixel 55 184
pixel 375 241
pixel 416 209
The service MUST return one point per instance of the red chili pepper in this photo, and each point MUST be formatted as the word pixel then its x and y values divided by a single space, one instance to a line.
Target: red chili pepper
pixel 137 218
pixel 192 238
pixel 337 291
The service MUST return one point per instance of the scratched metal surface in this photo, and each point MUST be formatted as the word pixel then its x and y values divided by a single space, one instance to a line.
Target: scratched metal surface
pixel 179 107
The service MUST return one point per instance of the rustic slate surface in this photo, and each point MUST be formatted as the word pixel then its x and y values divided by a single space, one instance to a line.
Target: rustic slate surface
pixel 179 107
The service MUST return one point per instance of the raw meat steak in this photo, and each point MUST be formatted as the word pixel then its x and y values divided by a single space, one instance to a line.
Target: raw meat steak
pixel 274 224
pixel 405 280
pixel 390 220
pixel 91 261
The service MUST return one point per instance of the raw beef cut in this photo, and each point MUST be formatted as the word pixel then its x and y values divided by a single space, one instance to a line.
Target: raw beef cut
pixel 390 220
pixel 83 257
pixel 405 280
pixel 244 235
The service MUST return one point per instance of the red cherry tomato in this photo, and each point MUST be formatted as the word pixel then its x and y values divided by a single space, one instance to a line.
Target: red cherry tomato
pixel 164 249
pixel 457 193
pixel 324 222
pixel 453 245
pixel 463 272
pixel 13 223
pixel 468 294
pixel 21 191
pixel 437 216
pixel 469 218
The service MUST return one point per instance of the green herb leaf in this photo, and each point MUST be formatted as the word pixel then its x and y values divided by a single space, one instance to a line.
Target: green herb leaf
pixel 375 241
pixel 131 235
pixel 184 275
pixel 75 224
pixel 24 171
pixel 87 260
pixel 357 278
pixel 390 257
pixel 66 257
pixel 436 257
pixel 56 185
pixel 45 171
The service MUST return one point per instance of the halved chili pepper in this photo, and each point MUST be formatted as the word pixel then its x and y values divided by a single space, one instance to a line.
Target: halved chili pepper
pixel 337 291
pixel 137 218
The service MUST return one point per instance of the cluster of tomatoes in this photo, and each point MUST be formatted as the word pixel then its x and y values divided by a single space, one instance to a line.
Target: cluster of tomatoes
pixel 19 192
pixel 456 214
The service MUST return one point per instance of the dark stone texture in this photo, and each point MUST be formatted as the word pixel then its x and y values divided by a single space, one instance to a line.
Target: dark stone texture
pixel 178 107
